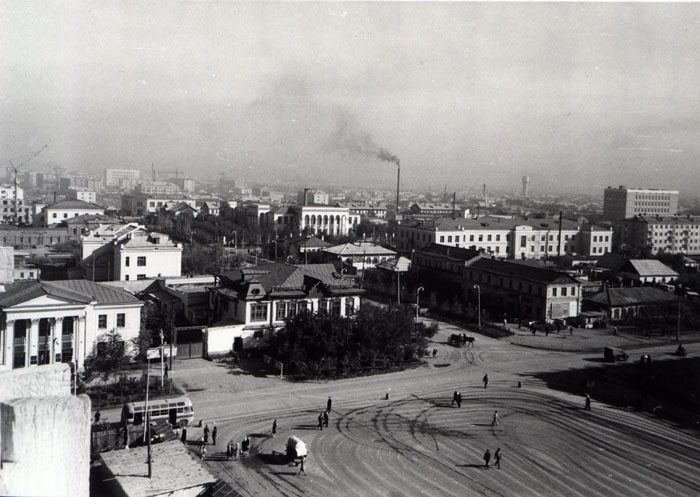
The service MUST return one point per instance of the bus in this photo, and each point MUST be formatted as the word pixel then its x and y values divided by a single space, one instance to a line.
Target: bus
pixel 177 411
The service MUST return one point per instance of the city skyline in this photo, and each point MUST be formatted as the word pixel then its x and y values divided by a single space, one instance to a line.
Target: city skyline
pixel 577 96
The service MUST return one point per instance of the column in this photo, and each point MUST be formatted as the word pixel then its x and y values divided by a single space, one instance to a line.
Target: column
pixel 6 341
pixel 57 340
pixel 79 341
pixel 32 343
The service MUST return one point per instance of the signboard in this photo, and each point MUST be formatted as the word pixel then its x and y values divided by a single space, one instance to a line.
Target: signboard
pixel 154 352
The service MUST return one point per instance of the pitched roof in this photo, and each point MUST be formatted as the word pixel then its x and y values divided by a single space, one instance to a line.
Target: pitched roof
pixel 366 248
pixel 79 291
pixel 400 265
pixel 286 276
pixel 648 267
pixel 492 223
pixel 459 253
pixel 620 297
pixel 511 269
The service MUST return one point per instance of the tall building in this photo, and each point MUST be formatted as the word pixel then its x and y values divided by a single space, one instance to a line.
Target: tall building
pixel 114 176
pixel 526 184
pixel 622 202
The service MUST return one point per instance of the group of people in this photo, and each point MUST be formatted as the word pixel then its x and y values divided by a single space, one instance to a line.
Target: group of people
pixel 232 450
pixel 496 458
pixel 323 416
pixel 205 436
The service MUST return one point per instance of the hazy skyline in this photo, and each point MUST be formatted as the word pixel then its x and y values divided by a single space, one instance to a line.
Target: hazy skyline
pixel 577 96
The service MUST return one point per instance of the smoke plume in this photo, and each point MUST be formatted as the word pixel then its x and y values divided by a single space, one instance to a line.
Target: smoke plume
pixel 349 139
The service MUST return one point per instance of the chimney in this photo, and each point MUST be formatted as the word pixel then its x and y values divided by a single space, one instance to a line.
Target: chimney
pixel 306 192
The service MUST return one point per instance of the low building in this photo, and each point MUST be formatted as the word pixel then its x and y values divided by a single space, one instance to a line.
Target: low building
pixel 28 237
pixel 174 472
pixel 52 215
pixel 361 255
pixel 264 296
pixel 523 291
pixel 645 271
pixel 627 304
pixel 140 204
pixel 421 210
pixel 49 322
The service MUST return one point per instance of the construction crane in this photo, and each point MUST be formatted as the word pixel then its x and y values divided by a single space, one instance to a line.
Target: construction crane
pixel 16 168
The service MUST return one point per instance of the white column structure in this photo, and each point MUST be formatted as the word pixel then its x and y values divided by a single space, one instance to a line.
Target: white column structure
pixel 56 339
pixel 32 348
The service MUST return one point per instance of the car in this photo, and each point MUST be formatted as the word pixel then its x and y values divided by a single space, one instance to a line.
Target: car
pixel 613 354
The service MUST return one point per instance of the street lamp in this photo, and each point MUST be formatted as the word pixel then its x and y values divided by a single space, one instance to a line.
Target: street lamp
pixel 478 303
pixel 420 289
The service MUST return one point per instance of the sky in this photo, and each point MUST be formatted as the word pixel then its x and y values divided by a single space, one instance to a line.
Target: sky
pixel 577 96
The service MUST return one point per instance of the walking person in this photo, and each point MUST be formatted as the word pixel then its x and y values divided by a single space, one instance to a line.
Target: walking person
pixel 228 451
pixel 587 406
pixel 325 419
pixel 497 458
pixel 203 451
pixel 301 465
pixel 486 380
pixel 206 434
pixel 495 418
pixel 213 436
pixel 487 457
pixel 329 404
pixel 97 416
pixel 320 421
pixel 571 330
pixel 434 352
pixel 236 451
pixel 454 397
pixel 183 438
pixel 459 399
pixel 274 427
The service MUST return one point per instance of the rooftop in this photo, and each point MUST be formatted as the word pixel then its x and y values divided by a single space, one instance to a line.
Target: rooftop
pixel 77 291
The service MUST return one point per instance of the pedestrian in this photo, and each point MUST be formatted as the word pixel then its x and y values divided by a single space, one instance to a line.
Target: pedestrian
pixel 454 398
pixel 495 418
pixel 320 421
pixel 434 352
pixel 497 458
pixel 183 438
pixel 274 427
pixel 329 403
pixel 571 330
pixel 228 451
pixel 166 370
pixel 213 436
pixel 203 451
pixel 236 450
pixel 615 330
pixel 546 330
pixel 325 419
pixel 587 406
pixel 487 457
pixel 301 465
pixel 459 399
pixel 245 446
pixel 486 380
pixel 97 416
pixel 206 434
pixel 558 327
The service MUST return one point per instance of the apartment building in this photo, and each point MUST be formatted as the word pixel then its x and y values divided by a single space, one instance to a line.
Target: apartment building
pixel 670 234
pixel 54 214
pixel 14 212
pixel 158 188
pixel 115 177
pixel 622 202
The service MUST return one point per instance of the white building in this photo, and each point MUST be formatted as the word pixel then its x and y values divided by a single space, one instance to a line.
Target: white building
pixel 670 234
pixel 113 177
pixel 524 238
pixel 8 214
pixel 622 202
pixel 66 209
pixel 158 188
pixel 129 252
pixel 312 197
pixel 47 322
pixel 82 194
pixel 139 204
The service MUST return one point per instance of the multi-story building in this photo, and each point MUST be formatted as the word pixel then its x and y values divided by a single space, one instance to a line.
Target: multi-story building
pixel 670 234
pixel 158 188
pixel 113 177
pixel 52 215
pixel 325 220
pixel 594 240
pixel 29 237
pixel 184 184
pixel 140 204
pixel 428 210
pixel 82 194
pixel 129 252
pixel 312 197
pixel 47 322
pixel 525 238
pixel 622 202
pixel 523 291
pixel 14 211
pixel 373 211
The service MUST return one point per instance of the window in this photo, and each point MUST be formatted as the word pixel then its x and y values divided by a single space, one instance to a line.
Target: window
pixel 126 261
pixel 523 241
pixel 102 321
pixel 281 310
pixel 471 238
pixel 121 320
pixel 141 260
pixel 258 312
pixel 563 292
pixel 554 292
pixel 140 276
pixel 126 277
pixel 442 238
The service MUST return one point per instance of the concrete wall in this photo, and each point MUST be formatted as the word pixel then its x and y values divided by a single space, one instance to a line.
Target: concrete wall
pixel 44 434
pixel 220 338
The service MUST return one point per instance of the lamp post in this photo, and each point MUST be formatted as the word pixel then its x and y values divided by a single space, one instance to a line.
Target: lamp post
pixel 235 241
pixel 478 303
pixel 420 289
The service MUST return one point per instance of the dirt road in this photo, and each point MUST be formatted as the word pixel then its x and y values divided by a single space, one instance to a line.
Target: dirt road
pixel 417 443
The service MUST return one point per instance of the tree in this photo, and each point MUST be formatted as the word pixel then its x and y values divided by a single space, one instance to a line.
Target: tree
pixel 110 356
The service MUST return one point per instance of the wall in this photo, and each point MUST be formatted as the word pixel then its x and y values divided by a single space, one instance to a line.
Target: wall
pixel 44 435
pixel 220 338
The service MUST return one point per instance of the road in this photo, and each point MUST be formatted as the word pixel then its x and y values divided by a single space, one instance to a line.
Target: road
pixel 416 443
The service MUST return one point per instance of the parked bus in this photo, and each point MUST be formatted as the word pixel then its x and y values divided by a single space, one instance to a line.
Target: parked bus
pixel 177 411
